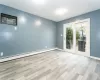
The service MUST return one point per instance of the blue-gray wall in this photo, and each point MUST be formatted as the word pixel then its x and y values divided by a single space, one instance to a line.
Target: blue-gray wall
pixel 94 29
pixel 28 37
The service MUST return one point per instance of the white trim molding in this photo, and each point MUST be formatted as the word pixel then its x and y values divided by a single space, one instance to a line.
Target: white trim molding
pixel 38 52
pixel 96 58
pixel 24 55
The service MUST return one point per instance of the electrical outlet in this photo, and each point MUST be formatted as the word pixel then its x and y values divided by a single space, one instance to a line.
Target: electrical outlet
pixel 1 54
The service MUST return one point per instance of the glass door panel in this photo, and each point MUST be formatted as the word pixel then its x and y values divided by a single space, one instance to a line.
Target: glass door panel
pixel 77 37
pixel 69 37
pixel 82 32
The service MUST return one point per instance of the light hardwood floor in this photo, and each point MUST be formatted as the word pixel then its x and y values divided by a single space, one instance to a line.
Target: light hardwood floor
pixel 52 65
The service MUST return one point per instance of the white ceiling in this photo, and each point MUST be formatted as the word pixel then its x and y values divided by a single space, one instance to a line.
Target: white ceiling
pixel 75 7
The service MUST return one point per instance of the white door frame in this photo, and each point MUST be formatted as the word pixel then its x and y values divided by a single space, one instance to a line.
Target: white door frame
pixel 88 38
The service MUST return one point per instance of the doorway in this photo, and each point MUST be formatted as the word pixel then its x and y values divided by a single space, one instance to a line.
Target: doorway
pixel 76 37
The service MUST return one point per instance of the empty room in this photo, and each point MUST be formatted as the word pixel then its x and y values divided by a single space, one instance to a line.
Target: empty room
pixel 49 39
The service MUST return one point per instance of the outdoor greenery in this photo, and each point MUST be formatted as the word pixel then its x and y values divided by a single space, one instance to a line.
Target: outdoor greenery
pixel 77 37
pixel 69 37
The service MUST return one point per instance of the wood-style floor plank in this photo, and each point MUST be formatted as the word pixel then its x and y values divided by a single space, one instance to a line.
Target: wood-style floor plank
pixel 52 65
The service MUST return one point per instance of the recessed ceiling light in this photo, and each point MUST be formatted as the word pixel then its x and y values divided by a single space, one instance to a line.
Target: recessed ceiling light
pixel 61 11
pixel 39 1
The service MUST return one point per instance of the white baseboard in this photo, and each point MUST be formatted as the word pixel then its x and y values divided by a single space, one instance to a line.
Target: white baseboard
pixel 35 52
pixel 96 58
pixel 24 55
pixel 60 49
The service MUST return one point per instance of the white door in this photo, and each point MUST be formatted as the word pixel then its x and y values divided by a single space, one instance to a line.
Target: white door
pixel 76 37
pixel 68 37
pixel 82 30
